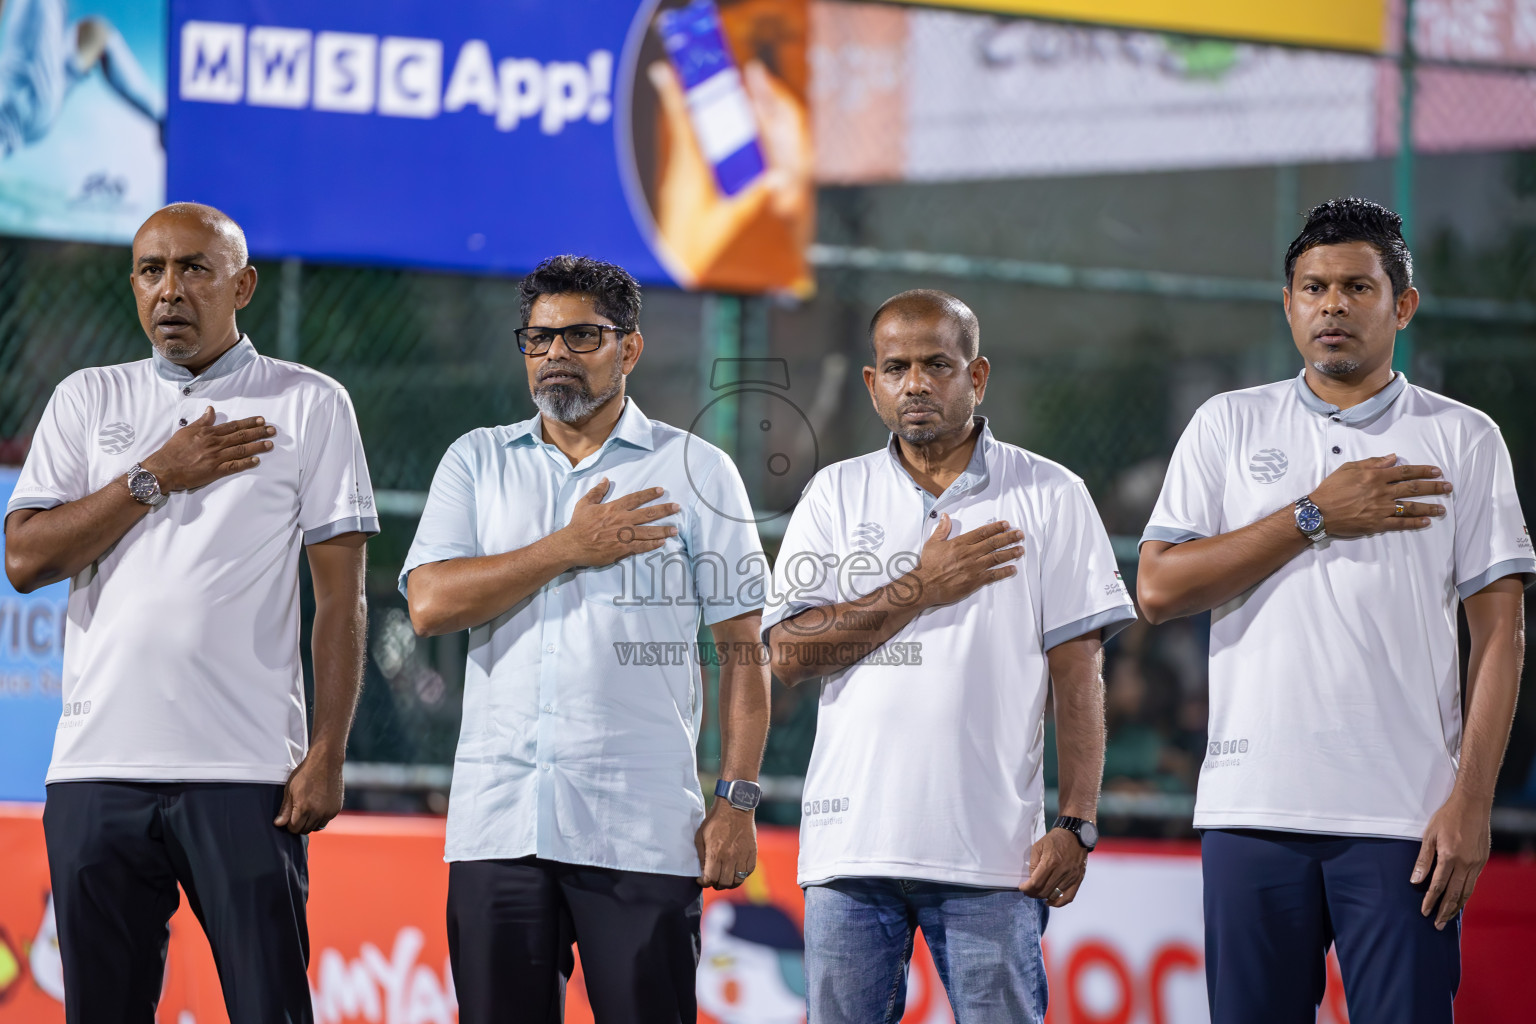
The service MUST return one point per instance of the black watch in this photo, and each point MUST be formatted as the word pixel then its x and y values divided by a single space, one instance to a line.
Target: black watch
pixel 740 794
pixel 1087 832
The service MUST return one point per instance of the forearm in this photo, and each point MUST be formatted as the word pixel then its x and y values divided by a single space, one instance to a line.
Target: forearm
pixel 338 643
pixel 1175 580
pixel 461 593
pixel 1078 688
pixel 1493 686
pixel 829 638
pixel 744 690
pixel 338 639
pixel 43 547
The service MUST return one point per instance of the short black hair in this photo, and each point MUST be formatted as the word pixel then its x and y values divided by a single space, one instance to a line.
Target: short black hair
pixel 925 302
pixel 1352 219
pixel 614 293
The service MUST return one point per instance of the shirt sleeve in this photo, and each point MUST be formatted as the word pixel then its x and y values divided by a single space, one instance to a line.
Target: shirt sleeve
pixel 56 469
pixel 730 571
pixel 1491 537
pixel 1080 585
pixel 447 526
pixel 801 576
pixel 1189 506
pixel 335 492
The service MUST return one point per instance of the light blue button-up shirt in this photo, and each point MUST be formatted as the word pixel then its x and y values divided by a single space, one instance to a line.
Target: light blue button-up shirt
pixel 582 702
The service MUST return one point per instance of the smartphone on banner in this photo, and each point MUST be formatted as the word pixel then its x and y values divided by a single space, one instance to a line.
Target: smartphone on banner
pixel 717 98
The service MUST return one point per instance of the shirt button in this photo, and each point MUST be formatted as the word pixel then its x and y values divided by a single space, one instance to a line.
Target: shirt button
pixel 1335 449
pixel 549 709
pixel 933 515
pixel 187 390
pixel 546 767
pixel 549 648
pixel 182 421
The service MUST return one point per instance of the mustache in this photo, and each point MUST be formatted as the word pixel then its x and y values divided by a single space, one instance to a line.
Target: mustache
pixel 916 405
pixel 563 369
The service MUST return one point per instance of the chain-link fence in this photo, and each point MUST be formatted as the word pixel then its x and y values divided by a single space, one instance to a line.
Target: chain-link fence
pixel 1112 303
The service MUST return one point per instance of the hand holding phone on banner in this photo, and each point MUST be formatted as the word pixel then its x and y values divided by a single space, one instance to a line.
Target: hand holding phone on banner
pixel 736 144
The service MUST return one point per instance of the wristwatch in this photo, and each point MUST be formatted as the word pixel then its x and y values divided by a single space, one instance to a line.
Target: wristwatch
pixel 1087 832
pixel 740 794
pixel 145 487
pixel 1309 520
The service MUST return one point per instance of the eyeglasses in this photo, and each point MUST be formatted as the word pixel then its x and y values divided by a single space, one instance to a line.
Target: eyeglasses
pixel 535 341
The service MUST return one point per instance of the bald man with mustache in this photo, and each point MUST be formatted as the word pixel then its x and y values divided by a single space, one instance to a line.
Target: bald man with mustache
pixel 175 493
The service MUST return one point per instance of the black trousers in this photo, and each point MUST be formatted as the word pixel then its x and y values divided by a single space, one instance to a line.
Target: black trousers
pixel 510 928
pixel 116 851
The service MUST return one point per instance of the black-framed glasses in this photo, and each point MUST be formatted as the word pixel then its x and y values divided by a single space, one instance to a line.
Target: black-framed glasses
pixel 535 341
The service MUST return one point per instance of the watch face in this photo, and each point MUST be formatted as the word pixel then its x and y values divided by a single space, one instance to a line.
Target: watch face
pixel 1308 518
pixel 143 485
pixel 745 795
pixel 1088 832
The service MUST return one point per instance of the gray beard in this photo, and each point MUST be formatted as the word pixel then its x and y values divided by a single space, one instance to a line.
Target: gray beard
pixel 564 403
pixel 918 435
pixel 174 352
pixel 1340 367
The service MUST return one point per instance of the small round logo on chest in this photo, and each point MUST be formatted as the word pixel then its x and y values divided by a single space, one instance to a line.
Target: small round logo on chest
pixel 1268 465
pixel 868 536
pixel 115 438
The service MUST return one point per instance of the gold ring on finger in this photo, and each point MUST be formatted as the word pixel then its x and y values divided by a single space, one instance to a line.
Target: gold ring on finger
pixel 1399 509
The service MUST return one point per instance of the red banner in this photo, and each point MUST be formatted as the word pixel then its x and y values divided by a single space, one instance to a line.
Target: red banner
pixel 1128 951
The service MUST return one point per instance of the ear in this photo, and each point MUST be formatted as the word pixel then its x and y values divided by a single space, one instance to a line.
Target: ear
pixel 1285 300
pixel 980 370
pixel 245 286
pixel 1407 305
pixel 869 382
pixel 633 345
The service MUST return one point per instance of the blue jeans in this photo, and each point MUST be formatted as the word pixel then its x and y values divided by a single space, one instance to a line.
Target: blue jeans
pixel 985 943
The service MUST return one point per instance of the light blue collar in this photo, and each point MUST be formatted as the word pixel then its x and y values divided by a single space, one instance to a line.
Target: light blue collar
pixel 240 354
pixel 633 428
pixel 976 472
pixel 1356 416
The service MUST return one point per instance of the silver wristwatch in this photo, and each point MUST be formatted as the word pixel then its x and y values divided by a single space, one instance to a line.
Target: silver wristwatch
pixel 1309 520
pixel 145 487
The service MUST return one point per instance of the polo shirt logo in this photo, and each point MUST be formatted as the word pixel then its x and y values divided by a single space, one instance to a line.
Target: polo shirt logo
pixel 115 438
pixel 1268 465
pixel 868 536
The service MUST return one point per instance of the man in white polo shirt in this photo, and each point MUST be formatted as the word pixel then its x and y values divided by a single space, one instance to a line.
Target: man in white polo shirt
pixel 582 549
pixel 937 588
pixel 1331 523
pixel 175 494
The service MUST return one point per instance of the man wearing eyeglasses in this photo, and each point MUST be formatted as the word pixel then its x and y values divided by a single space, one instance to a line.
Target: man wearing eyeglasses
pixel 579 548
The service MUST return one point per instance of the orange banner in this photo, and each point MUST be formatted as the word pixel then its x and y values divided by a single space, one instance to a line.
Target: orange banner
pixel 1128 950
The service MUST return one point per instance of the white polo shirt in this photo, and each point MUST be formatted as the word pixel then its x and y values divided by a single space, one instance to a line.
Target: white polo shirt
pixel 1334 689
pixel 927 762
pixel 582 701
pixel 181 654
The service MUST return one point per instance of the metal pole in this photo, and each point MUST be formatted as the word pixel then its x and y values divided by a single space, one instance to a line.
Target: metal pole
pixel 289 307
pixel 1402 353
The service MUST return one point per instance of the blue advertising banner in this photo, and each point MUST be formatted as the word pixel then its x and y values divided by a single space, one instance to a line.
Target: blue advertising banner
pixel 486 135
pixel 31 675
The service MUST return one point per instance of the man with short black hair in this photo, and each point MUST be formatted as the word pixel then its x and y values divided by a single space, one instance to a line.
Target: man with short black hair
pixel 175 494
pixel 576 812
pixel 936 589
pixel 1344 798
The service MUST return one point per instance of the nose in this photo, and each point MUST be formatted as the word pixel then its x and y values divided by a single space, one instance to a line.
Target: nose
pixel 916 382
pixel 170 286
pixel 1335 303
pixel 557 349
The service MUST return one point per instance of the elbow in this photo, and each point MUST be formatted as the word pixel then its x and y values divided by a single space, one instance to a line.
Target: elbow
pixel 23 576
pixel 426 617
pixel 1153 603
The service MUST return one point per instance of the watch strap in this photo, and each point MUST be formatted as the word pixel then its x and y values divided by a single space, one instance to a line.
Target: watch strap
pixel 1075 826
